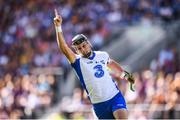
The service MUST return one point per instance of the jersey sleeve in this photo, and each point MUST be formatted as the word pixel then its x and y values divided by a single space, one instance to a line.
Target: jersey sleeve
pixel 107 57
pixel 76 62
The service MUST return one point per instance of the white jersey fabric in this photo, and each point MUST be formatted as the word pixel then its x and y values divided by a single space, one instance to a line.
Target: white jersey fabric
pixel 94 76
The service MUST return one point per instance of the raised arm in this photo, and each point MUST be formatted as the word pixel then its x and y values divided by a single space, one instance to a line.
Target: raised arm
pixel 60 39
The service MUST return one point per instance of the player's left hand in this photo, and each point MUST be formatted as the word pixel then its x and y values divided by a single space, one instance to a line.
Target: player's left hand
pixel 129 77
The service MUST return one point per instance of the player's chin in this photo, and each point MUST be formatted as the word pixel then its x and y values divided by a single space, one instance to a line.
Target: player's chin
pixel 87 55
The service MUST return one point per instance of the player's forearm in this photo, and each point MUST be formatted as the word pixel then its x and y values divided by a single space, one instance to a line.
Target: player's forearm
pixel 122 73
pixel 61 42
pixel 119 69
pixel 116 66
pixel 116 70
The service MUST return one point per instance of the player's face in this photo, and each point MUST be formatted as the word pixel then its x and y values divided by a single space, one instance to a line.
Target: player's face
pixel 84 49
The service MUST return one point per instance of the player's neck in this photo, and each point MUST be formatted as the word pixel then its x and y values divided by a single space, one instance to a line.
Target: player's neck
pixel 91 54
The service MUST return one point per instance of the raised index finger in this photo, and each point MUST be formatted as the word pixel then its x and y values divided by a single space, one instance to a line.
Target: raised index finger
pixel 56 13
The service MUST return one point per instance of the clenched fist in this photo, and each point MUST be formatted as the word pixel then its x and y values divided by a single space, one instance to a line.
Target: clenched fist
pixel 57 19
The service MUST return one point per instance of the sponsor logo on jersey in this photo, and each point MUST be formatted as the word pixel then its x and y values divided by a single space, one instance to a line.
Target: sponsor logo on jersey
pixel 89 62
pixel 102 61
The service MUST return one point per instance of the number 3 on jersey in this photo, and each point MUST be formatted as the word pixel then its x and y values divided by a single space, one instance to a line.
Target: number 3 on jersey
pixel 99 71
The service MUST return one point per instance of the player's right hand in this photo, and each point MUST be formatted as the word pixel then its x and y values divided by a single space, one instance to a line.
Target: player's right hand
pixel 57 19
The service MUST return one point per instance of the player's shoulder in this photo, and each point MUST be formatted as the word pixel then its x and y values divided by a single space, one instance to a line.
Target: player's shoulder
pixel 101 53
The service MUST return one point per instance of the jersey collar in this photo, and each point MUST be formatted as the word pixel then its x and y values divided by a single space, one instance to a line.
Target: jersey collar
pixel 93 55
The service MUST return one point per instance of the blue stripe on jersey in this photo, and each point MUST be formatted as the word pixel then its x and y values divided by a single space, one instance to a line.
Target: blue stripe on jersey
pixel 115 84
pixel 76 66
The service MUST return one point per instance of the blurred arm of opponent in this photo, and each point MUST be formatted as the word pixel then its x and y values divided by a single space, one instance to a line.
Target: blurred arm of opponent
pixel 60 39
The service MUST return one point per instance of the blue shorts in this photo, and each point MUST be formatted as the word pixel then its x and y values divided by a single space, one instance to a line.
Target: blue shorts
pixel 104 110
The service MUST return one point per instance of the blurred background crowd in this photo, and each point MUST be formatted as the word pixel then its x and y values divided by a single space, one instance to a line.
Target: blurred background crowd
pixel 27 41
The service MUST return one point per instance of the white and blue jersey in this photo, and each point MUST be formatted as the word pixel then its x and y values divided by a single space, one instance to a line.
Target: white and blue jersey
pixel 95 78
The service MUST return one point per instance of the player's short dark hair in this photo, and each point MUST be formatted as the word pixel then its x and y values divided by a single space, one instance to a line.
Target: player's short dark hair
pixel 78 39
